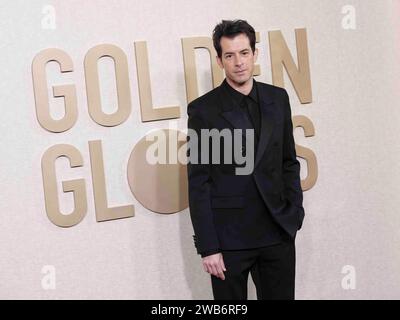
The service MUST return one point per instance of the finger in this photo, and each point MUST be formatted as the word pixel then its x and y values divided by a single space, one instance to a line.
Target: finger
pixel 220 273
pixel 214 270
pixel 207 266
pixel 223 264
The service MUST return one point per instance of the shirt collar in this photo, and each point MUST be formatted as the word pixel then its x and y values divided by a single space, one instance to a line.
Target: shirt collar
pixel 238 96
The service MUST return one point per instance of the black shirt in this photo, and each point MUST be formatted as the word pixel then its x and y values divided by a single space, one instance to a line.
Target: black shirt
pixel 252 109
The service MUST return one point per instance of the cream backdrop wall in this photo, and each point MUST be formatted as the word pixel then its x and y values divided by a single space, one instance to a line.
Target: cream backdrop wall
pixel 351 212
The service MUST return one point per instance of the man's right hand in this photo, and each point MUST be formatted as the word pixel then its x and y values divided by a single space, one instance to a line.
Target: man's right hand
pixel 214 264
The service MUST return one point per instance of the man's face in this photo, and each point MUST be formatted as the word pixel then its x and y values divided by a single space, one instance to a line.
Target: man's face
pixel 237 58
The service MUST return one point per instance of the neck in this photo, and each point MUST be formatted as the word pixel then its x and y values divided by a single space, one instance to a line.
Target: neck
pixel 243 88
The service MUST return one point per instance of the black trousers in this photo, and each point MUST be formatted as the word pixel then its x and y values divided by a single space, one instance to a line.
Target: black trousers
pixel 272 269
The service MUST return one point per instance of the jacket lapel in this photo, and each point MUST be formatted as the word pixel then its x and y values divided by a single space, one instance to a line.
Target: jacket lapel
pixel 267 122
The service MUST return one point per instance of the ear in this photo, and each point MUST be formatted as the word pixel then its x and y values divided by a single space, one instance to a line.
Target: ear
pixel 219 61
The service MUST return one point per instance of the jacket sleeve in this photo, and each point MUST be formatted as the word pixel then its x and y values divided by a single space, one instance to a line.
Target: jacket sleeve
pixel 291 166
pixel 199 184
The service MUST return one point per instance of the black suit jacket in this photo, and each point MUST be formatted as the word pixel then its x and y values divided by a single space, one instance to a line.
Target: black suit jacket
pixel 218 197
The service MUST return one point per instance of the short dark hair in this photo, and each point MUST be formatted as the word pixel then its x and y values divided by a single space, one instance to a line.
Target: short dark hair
pixel 230 29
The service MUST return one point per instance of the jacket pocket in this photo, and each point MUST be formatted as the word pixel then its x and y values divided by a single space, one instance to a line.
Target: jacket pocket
pixel 227 202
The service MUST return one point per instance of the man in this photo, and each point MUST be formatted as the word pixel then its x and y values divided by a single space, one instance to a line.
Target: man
pixel 246 223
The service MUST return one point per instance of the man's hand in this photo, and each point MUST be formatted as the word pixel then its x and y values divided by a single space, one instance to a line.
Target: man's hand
pixel 214 264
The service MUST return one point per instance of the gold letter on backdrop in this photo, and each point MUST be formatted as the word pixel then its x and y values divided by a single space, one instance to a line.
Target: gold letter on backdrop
pixel 76 186
pixel 306 153
pixel 149 113
pixel 188 46
pixel 280 56
pixel 66 91
pixel 93 87
pixel 159 187
pixel 103 213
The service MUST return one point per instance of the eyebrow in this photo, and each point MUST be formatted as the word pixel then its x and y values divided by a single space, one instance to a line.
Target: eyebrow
pixel 233 52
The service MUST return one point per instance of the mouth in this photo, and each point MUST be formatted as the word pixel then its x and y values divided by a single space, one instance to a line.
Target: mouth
pixel 240 72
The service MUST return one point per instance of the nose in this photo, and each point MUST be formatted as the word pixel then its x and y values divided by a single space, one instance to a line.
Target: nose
pixel 238 61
